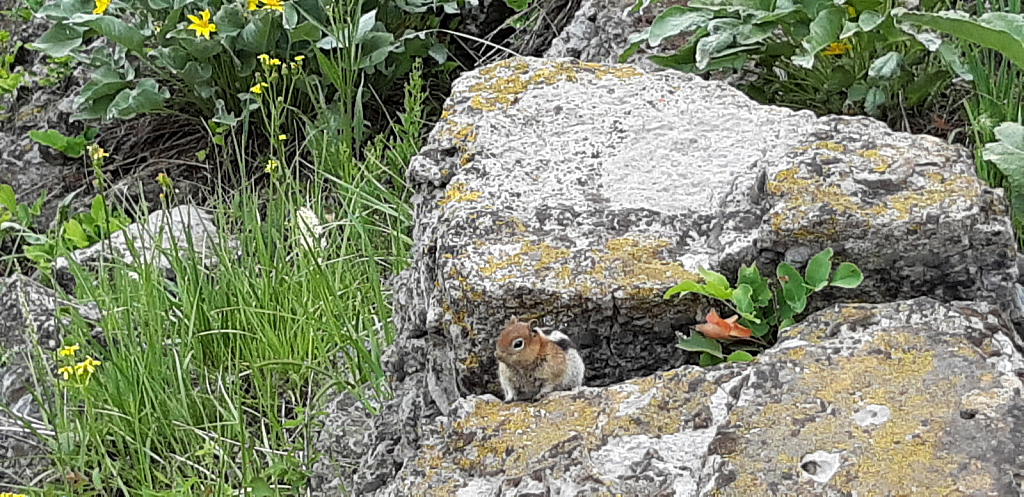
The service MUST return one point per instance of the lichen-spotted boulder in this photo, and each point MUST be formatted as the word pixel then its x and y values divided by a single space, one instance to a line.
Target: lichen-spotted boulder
pixel 577 193
pixel 909 398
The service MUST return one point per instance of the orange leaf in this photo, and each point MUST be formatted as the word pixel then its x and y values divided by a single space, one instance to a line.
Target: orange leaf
pixel 717 328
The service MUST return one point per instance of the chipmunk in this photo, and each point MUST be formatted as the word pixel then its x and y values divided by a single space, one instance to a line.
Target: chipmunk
pixel 532 363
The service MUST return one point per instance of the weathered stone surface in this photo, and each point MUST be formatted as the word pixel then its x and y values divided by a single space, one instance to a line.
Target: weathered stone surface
pixel 28 319
pixel 908 398
pixel 185 229
pixel 578 193
pixel 599 32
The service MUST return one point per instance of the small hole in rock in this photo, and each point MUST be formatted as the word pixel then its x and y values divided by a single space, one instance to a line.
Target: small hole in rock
pixel 968 413
pixel 810 467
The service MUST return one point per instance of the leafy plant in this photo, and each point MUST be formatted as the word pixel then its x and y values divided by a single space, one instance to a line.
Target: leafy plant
pixel 71 146
pixel 806 53
pixel 204 54
pixel 763 306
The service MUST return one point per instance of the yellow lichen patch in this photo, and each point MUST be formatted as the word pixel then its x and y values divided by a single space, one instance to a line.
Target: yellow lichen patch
pixel 880 161
pixel 901 456
pixel 564 273
pixel 632 261
pixel 494 264
pixel 520 225
pixel 466 133
pixel 490 103
pixel 826 145
pixel 459 192
pixel 908 202
pixel 472 361
pixel 548 254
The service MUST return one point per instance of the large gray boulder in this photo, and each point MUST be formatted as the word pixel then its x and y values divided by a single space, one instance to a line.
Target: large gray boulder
pixel 182 231
pixel 30 331
pixel 577 193
pixel 908 398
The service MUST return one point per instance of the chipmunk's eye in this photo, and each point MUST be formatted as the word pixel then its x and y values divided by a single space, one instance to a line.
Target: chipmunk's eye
pixel 518 344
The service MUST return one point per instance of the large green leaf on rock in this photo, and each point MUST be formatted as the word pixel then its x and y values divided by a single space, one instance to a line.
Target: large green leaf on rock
pixel 1000 31
pixel 1008 155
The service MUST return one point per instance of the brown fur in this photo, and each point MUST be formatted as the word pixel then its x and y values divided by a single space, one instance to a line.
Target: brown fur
pixel 539 363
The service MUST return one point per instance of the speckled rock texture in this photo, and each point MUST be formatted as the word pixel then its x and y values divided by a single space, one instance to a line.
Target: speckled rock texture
pixel 185 229
pixel 599 32
pixel 577 193
pixel 29 332
pixel 908 398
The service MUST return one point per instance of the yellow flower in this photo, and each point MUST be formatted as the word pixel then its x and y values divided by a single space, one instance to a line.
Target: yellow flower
pixel 66 372
pixel 282 137
pixel 95 152
pixel 202 27
pixel 68 350
pixel 258 87
pixel 101 6
pixel 274 62
pixel 838 48
pixel 88 366
pixel 251 4
pixel 273 4
pixel 271 166
pixel 852 11
pixel 299 58
pixel 264 58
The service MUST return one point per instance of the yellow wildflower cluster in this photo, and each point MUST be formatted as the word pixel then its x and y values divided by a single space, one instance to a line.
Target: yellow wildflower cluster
pixel 101 7
pixel 838 48
pixel 258 88
pixel 82 370
pixel 95 152
pixel 272 166
pixel 8 494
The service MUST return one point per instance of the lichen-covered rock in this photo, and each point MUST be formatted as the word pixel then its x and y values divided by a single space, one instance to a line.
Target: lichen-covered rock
pixel 185 229
pixel 30 330
pixel 910 398
pixel 578 193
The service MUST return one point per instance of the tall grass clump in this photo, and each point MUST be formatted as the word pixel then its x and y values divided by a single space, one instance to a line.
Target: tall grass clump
pixel 211 383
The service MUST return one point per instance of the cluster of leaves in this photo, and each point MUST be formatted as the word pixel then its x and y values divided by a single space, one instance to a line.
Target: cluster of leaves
pixel 811 54
pixel 1004 33
pixel 204 54
pixel 762 306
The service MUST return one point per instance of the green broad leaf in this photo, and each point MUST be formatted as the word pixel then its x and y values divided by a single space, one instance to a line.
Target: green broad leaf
pixel 716 285
pixel 874 100
pixel 1000 31
pixel 105 81
pixel 818 269
pixel 376 46
pixel 174 58
pixel 366 23
pixel 847 275
pixel 68 145
pixel 793 289
pixel 114 29
pixel 749 275
pixel 438 52
pixel 517 5
pixel 700 343
pixel 290 19
pixel 196 72
pixel 857 92
pixel 925 85
pixel 950 54
pixel 99 209
pixel 786 323
pixel 886 66
pixel 63 10
pixel 869 19
pixel 739 356
pixel 707 360
pixel 96 109
pixel 259 35
pixel 709 46
pixel 74 232
pixel 60 40
pixel 684 287
pixel 8 199
pixel 201 48
pixel 824 31
pixel 849 29
pixel 231 19
pixel 147 96
pixel 741 298
pixel 223 116
pixel 757 329
pixel 306 31
pixel 676 20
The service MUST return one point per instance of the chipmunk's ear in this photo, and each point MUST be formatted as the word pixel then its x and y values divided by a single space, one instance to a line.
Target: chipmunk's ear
pixel 533 323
